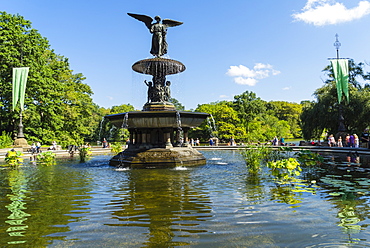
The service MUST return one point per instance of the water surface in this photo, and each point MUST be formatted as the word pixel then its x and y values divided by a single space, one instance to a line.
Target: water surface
pixel 216 205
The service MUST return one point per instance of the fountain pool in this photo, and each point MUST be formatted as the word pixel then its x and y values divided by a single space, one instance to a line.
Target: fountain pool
pixel 218 204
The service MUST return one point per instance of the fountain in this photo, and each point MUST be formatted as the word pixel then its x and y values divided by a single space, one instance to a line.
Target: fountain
pixel 158 133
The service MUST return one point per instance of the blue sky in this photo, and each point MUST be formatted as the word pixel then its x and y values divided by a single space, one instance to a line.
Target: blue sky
pixel 276 49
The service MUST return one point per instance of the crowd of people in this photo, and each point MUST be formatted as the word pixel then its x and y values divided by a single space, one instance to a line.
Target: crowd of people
pixel 35 148
pixel 277 142
pixel 350 140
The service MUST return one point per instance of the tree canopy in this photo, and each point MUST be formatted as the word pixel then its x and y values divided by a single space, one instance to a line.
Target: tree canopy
pixel 58 105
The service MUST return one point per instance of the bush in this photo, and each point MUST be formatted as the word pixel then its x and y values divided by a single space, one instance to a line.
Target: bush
pixel 46 158
pixel 116 147
pixel 84 153
pixel 5 140
pixel 13 158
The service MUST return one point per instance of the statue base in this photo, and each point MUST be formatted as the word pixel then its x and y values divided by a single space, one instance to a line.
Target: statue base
pixel 159 106
pixel 21 143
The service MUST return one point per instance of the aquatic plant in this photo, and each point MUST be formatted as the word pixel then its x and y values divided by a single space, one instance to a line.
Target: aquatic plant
pixel 253 156
pixel 46 158
pixel 13 158
pixel 285 169
pixel 116 147
pixel 84 153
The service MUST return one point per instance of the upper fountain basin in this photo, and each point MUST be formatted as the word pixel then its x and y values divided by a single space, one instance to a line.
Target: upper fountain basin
pixel 158 66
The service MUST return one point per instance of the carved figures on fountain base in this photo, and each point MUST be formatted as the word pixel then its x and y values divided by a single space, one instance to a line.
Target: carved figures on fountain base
pixel 159 91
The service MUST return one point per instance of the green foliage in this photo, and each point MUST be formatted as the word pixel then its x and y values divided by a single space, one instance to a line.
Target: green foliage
pixel 46 158
pixel 5 140
pixel 58 105
pixel 248 106
pixel 285 169
pixel 289 112
pixel 84 153
pixel 178 105
pixel 116 147
pixel 13 158
pixel 107 130
pixel 226 120
pixel 250 119
pixel 253 157
pixel 283 166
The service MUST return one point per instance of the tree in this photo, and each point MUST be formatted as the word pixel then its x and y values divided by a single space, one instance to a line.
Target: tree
pixel 223 123
pixel 289 112
pixel 178 105
pixel 248 107
pixel 58 105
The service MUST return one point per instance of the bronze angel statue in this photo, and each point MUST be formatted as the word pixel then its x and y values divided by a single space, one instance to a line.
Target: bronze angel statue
pixel 159 31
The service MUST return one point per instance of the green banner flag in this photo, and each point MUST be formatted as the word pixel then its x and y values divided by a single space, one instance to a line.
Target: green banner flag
pixel 19 85
pixel 340 69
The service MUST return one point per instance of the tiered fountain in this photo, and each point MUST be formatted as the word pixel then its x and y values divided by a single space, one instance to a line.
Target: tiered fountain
pixel 159 133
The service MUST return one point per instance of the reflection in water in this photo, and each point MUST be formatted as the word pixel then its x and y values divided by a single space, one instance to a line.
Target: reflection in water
pixel 41 201
pixel 17 217
pixel 166 203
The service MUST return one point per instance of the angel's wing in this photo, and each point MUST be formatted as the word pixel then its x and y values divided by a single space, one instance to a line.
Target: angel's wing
pixel 146 19
pixel 171 23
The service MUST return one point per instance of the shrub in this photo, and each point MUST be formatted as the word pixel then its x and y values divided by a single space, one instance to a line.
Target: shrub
pixel 5 140
pixel 13 158
pixel 46 158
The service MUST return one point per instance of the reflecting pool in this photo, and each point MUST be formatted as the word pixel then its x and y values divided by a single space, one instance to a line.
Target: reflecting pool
pixel 216 205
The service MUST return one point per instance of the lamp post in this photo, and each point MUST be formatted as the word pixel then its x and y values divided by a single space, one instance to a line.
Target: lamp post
pixel 341 127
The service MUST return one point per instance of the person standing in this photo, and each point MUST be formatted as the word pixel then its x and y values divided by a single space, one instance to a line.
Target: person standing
pixel 347 140
pixel 105 143
pixel 54 145
pixel 275 141
pixel 340 143
pixel 38 146
pixel 351 141
pixel 331 140
pixel 357 141
pixel 365 138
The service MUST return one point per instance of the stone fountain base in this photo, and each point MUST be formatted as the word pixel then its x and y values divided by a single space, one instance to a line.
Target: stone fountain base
pixel 159 106
pixel 158 158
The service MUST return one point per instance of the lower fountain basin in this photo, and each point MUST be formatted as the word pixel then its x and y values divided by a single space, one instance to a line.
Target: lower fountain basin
pixel 157 119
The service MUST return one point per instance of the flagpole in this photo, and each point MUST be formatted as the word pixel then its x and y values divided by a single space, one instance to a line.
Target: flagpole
pixel 20 126
pixel 341 127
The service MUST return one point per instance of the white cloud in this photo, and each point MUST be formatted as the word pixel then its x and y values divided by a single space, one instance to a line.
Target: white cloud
pixel 244 75
pixel 286 88
pixel 326 12
pixel 110 97
pixel 224 96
